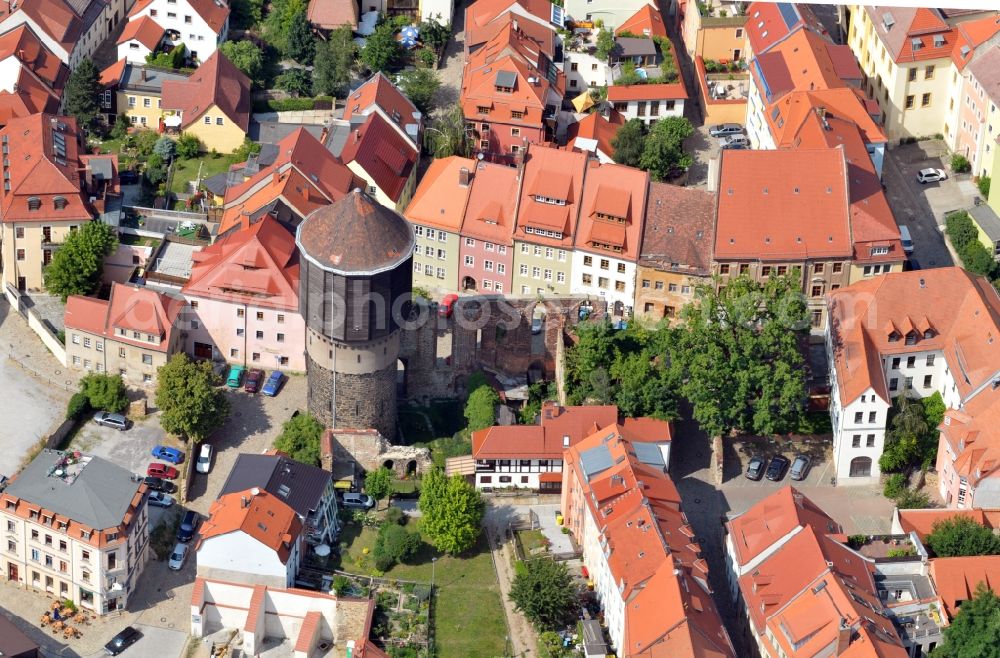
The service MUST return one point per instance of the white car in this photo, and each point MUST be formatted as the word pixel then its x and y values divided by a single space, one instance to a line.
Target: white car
pixel 358 501
pixel 204 464
pixel 178 556
pixel 931 175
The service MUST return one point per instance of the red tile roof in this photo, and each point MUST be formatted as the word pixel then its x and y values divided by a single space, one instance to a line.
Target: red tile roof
pixel 921 521
pixel 266 519
pixel 379 92
pixel 385 156
pixel 766 25
pixel 598 129
pixel 56 18
pixel 612 190
pixel 956 578
pixel 914 24
pixel 758 190
pixel 22 43
pixel 113 74
pixel 481 14
pixel 970 36
pixel 767 522
pixel 331 14
pixel 489 213
pixel 645 22
pixel 673 90
pixel 30 95
pixel 441 197
pixel 556 174
pixel 543 36
pixel 680 229
pixel 558 425
pixel 214 13
pixel 217 82
pixel 145 30
pixel 129 308
pixel 256 264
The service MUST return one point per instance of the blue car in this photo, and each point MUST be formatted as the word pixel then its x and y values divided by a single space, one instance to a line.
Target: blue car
pixel 273 383
pixel 168 454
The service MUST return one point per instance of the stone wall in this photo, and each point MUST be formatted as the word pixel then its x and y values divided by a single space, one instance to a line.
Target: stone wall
pixel 362 400
pixel 368 450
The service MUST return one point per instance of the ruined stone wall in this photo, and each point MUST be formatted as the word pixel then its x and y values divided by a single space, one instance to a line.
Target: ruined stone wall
pixel 362 400
pixel 369 451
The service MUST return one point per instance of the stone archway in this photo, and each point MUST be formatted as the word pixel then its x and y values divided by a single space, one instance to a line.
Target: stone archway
pixel 468 284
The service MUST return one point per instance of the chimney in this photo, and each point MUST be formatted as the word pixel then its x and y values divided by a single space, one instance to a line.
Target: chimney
pixel 357 135
pixel 514 24
pixel 843 636
pixel 143 73
pixel 463 177
pixel 244 502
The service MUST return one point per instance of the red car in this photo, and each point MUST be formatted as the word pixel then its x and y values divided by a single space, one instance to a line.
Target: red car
pixel 254 379
pixel 447 305
pixel 159 470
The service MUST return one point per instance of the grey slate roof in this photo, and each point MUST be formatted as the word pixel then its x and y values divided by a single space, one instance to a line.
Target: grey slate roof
pixel 299 485
pixel 595 460
pixel 648 453
pixel 987 220
pixel 98 497
pixel 155 77
pixel 272 132
pixel 634 47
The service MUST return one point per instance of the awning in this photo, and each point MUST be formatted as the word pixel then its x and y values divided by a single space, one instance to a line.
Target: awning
pixel 583 102
pixel 550 476
pixel 172 121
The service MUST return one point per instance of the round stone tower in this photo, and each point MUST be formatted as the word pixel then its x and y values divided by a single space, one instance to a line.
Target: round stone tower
pixel 355 282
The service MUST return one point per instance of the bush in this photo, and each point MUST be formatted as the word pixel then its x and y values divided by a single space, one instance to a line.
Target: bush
pixel 78 405
pixel 395 515
pixel 895 485
pixel 911 499
pixel 394 545
pixel 960 164
pixel 188 146
pixel 290 104
pixel 984 186
pixel 104 392
pixel 977 259
pixel 960 229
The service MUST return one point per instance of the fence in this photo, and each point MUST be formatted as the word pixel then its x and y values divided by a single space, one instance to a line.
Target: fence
pixel 36 324
pixel 167 214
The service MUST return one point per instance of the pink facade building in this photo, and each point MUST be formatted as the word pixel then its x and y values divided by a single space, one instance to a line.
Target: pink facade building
pixel 486 252
pixel 243 299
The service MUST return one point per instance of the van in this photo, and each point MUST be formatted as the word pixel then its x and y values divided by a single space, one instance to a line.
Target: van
pixel 189 525
pixel 904 236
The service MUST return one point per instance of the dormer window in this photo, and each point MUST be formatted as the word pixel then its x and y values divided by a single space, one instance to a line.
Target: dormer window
pixel 610 218
pixel 34 203
pixel 894 336
pixel 546 199
pixel 59 202
pixel 911 338
pixel 929 333
pixel 879 251
pixel 916 44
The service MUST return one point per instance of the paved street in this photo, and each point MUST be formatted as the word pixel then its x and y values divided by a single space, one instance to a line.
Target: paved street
pixel 922 207
pixel 450 72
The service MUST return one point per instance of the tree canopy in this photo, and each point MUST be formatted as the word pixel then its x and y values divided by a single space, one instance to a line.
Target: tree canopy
pixel 393 545
pixel 420 85
pixel 76 267
pixel 446 135
pixel 281 16
pixel 543 590
pixel 975 631
pixel 629 142
pixel 378 483
pixel 300 438
pixel 912 435
pixel 381 48
pixel 188 146
pixel 452 511
pixel 961 536
pixel 663 152
pixel 82 92
pixel 333 62
pixel 480 407
pixel 246 56
pixel 105 392
pixel 605 44
pixel 190 404
pixel 301 44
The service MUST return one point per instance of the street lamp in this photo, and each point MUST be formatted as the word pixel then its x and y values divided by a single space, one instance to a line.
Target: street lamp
pixel 433 565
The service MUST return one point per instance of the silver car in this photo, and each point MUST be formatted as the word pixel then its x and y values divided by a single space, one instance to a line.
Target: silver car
pixel 178 556
pixel 800 468
pixel 723 129
pixel 734 142
pixel 109 419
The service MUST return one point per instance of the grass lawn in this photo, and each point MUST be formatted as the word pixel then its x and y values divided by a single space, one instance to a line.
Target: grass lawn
pixel 468 614
pixel 138 240
pixel 405 486
pixel 531 540
pixel 187 170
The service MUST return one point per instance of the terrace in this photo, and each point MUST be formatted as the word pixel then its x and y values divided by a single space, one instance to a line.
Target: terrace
pixel 721 9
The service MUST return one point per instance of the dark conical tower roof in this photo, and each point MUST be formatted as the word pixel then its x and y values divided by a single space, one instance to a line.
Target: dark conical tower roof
pixel 355 236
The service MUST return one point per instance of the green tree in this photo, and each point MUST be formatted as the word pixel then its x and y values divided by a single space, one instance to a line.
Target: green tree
pixel 245 150
pixel 605 44
pixel 452 511
pixel 446 136
pixel 246 14
pixel 281 16
pixel 381 49
pixel 961 536
pixel 738 356
pixel 977 259
pixel 434 34
pixel 190 404
pixel 480 408
pixel 333 63
pixel 420 85
pixel 393 545
pixel 975 631
pixel 300 438
pixel 960 229
pixel 663 152
pixel 984 186
pixel 143 140
pixel 629 143
pixel 545 593
pixel 301 42
pixel 120 128
pixel 171 59
pixel 550 645
pixel 105 392
pixel 298 82
pixel 78 406
pixel 156 169
pixel 378 483
pixel 934 408
pixel 246 56
pixel 188 146
pixel 165 147
pixel 83 89
pixel 77 266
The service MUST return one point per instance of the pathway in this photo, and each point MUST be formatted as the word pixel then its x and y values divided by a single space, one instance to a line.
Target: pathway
pixel 522 636
pixel 450 72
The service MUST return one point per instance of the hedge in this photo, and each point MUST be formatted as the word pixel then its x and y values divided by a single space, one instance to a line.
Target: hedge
pixel 293 104
pixel 964 236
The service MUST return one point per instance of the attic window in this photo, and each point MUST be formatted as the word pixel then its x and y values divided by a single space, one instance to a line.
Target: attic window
pixel 916 43
pixel 262 527
pixel 929 333
pixel 34 203
pixel 888 21
pixel 911 338
pixel 893 336
pixel 59 202
pixel 965 51
pixel 938 40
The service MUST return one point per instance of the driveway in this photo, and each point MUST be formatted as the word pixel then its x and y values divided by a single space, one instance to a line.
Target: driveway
pixel 704 149
pixel 158 641
pixel 922 207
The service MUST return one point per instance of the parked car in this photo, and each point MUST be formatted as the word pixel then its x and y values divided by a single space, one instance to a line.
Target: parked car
pixel 204 463
pixel 122 641
pixel 160 499
pixel 734 142
pixel 931 175
pixel 536 326
pixel 755 469
pixel 168 454
pixel 905 239
pixel 158 470
pixel 235 376
pixel 159 484
pixel 254 378
pixel 800 468
pixel 358 501
pixel 776 469
pixel 178 556
pixel 447 305
pixel 723 129
pixel 189 526
pixel 273 383
pixel 128 177
pixel 108 419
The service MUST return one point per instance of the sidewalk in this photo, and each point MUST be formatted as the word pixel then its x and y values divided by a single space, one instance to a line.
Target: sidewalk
pixel 523 641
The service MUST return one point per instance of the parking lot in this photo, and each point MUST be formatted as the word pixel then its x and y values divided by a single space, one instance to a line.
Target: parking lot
pixel 922 207
pixel 739 454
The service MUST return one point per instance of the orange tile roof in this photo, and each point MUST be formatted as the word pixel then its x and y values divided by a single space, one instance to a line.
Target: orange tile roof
pixel 912 24
pixel 22 43
pixel 650 551
pixel 217 82
pixel 440 199
pixel 56 18
pixel 971 35
pixel 758 190
pixel 145 30
pixel 480 17
pixel 645 22
pixel 510 51
pixel 112 75
pixel 30 95
pixel 668 91
pixel 256 264
pixel 331 14
pixel 597 128
pixel 378 91
pixel 129 308
pixel 766 24
pixel 385 156
pixel 956 578
pixel 265 518
pixel 212 12
pixel 557 426
pixel 617 191
pixel 544 36
pixel 489 213
pixel 921 521
pixel 550 173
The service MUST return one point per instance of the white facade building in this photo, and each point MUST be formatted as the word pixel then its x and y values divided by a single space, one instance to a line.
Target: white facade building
pixel 602 275
pixel 201 25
